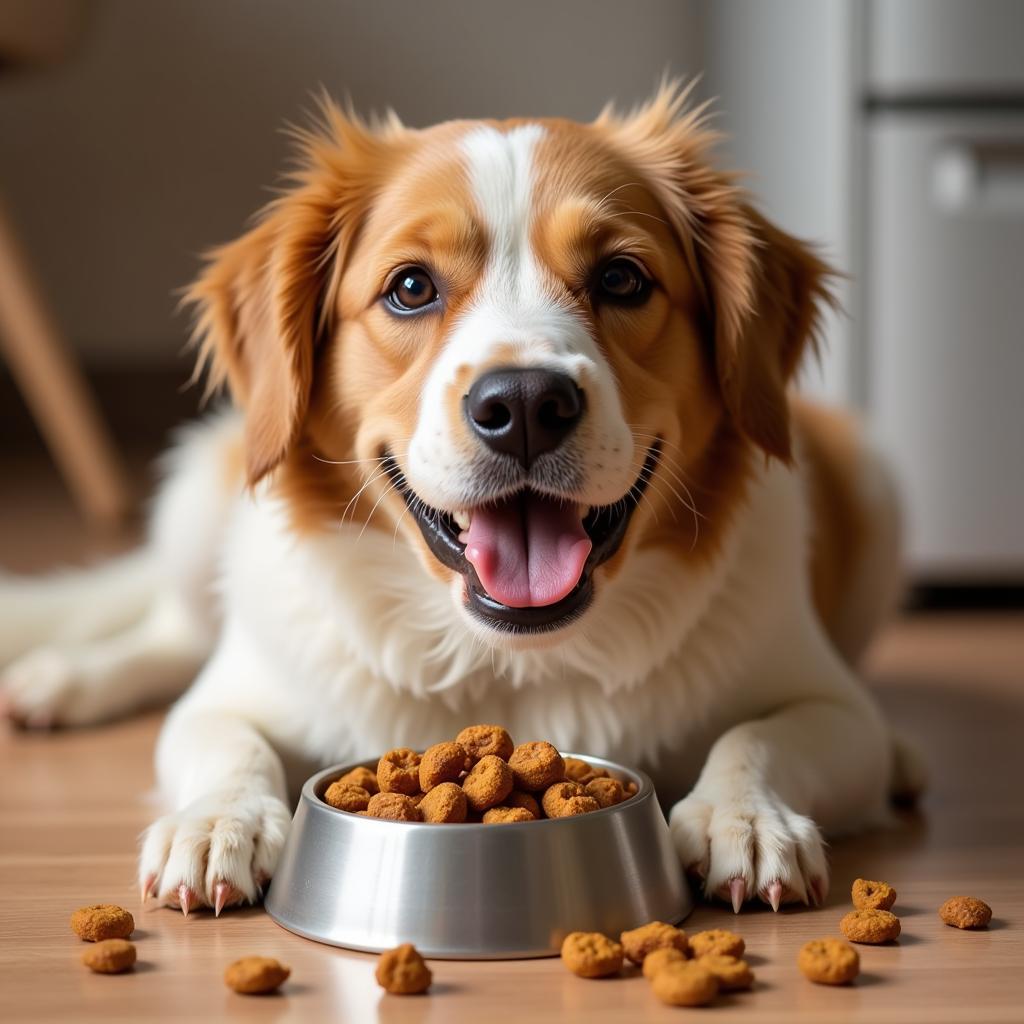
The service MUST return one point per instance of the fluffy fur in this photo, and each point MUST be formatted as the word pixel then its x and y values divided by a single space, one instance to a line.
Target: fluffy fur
pixel 287 578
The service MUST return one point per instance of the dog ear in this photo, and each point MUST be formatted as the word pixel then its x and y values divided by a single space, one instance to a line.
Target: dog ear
pixel 764 313
pixel 762 288
pixel 264 300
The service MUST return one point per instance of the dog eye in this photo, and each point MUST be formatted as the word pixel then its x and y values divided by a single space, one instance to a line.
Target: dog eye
pixel 622 280
pixel 411 289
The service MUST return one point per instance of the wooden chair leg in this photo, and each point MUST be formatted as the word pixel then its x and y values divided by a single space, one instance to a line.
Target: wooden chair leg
pixel 56 391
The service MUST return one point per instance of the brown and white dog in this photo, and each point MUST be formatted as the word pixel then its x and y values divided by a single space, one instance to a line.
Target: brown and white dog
pixel 513 444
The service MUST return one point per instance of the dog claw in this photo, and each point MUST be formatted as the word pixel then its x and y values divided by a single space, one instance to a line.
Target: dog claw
pixel 146 890
pixel 186 899
pixel 222 893
pixel 737 893
pixel 775 895
pixel 819 891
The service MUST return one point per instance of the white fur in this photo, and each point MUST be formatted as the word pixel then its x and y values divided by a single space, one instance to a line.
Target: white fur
pixel 516 304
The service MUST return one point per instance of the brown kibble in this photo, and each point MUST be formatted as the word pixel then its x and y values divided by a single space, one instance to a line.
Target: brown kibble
pixel 717 940
pixel 631 788
pixel 394 807
pixel 479 741
pixel 829 961
pixel 347 797
pixel 639 942
pixel 578 770
pixel 870 927
pixel 536 766
pixel 110 956
pixel 607 792
pixel 684 983
pixel 102 921
pixel 403 972
pixel 362 777
pixel 517 798
pixel 733 974
pixel 398 771
pixel 256 975
pixel 506 815
pixel 565 799
pixel 591 954
pixel 658 958
pixel 443 762
pixel 444 803
pixel 867 895
pixel 965 912
pixel 488 783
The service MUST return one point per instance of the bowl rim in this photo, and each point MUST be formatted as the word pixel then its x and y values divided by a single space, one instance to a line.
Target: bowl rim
pixel 324 777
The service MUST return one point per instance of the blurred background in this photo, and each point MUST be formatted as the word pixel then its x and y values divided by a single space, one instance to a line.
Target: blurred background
pixel 135 134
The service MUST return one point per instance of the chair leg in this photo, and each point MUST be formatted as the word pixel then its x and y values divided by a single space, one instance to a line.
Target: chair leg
pixel 56 392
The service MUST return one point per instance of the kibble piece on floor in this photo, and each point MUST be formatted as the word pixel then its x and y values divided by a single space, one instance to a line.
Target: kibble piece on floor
pixel 658 958
pixel 829 961
pixel 965 912
pixel 638 942
pixel 870 927
pixel 684 983
pixel 591 954
pixel 110 956
pixel 102 921
pixel 868 895
pixel 732 973
pixel 403 972
pixel 717 940
pixel 256 975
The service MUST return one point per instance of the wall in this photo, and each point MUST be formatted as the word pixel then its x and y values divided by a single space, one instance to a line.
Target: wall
pixel 160 135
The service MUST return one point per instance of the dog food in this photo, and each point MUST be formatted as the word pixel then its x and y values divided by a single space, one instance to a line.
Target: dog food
pixel 591 954
pixel 684 983
pixel 443 762
pixel 398 771
pixel 347 796
pixel 481 740
pixel 110 956
pixel 867 895
pixel 870 927
pixel 444 803
pixel 829 961
pixel 102 921
pixel 403 972
pixel 658 958
pixel 393 806
pixel 480 776
pixel 965 912
pixel 256 975
pixel 717 940
pixel 733 974
pixel 639 942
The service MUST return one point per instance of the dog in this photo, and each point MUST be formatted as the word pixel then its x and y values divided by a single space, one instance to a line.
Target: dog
pixel 511 440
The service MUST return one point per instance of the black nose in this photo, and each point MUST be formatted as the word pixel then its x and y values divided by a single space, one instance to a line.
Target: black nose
pixel 523 413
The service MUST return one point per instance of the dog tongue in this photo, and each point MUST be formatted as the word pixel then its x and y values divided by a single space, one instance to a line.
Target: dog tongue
pixel 528 551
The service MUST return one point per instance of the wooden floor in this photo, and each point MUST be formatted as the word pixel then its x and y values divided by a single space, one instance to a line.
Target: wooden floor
pixel 72 806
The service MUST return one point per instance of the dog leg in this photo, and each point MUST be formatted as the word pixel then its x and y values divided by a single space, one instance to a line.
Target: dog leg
pixel 750 827
pixel 73 684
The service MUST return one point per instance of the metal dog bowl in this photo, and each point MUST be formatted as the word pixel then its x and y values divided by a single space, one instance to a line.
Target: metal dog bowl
pixel 487 892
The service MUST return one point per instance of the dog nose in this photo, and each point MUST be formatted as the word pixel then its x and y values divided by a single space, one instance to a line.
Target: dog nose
pixel 523 412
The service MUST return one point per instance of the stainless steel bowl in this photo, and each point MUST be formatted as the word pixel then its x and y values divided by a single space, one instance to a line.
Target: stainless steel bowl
pixel 488 892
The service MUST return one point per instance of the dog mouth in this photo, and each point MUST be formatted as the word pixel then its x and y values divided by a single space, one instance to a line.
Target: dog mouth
pixel 527 558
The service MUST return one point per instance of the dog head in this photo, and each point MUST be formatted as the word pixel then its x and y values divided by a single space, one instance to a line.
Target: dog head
pixel 529 347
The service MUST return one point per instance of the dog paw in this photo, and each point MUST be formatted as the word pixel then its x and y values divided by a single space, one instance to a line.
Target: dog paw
pixel 217 852
pixel 44 688
pixel 750 845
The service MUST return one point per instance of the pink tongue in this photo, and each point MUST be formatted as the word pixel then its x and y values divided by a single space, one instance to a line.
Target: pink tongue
pixel 529 551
